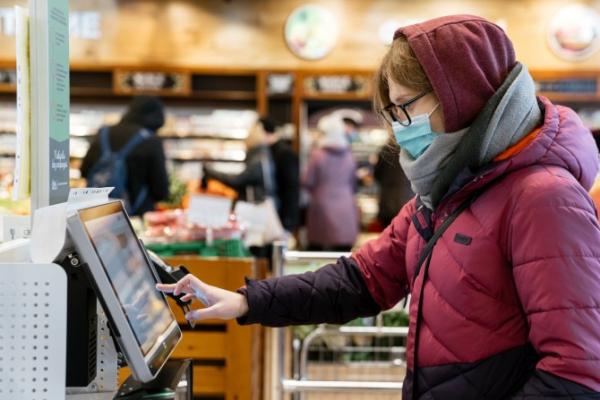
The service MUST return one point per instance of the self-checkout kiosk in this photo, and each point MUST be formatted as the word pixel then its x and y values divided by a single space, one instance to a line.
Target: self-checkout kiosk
pixel 92 311
pixel 123 279
pixel 119 274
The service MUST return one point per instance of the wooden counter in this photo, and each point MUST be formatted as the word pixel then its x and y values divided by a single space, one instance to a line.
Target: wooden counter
pixel 228 358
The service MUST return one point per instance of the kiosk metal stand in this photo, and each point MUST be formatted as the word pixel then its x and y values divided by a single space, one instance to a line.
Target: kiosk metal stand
pixel 93 361
pixel 92 358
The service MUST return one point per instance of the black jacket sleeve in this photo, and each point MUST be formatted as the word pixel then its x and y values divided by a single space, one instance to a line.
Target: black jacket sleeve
pixel 288 183
pixel 544 385
pixel 252 175
pixel 92 155
pixel 159 181
pixel 335 293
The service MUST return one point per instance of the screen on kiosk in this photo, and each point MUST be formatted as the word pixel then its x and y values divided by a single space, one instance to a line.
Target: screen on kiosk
pixel 131 280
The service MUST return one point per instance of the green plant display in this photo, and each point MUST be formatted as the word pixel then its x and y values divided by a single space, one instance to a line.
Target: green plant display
pixel 177 190
pixel 335 345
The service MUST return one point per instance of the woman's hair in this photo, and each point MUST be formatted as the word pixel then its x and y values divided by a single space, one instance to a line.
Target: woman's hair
pixel 400 65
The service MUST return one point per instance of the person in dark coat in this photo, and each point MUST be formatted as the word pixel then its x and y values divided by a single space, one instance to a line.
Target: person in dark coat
pixel 506 304
pixel 394 186
pixel 146 164
pixel 257 181
pixel 287 176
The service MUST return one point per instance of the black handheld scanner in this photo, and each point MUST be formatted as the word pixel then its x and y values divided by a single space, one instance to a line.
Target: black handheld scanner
pixel 168 274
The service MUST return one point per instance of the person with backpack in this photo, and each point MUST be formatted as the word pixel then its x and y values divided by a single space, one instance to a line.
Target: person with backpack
pixel 130 157
pixel 500 248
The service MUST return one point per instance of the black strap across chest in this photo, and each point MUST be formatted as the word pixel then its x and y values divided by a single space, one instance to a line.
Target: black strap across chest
pixel 439 233
pixel 426 255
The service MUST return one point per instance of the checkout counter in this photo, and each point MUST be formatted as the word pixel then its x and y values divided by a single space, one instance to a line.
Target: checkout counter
pixel 96 304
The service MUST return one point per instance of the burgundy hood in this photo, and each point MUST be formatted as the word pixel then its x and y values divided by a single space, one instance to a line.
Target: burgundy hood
pixel 466 59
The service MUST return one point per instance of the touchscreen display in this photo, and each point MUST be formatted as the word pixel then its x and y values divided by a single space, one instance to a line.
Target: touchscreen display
pixel 131 277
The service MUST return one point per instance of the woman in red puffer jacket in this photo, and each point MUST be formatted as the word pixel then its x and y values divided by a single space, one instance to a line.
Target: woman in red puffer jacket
pixel 506 304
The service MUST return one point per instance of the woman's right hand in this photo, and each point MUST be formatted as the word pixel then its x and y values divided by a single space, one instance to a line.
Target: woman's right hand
pixel 219 303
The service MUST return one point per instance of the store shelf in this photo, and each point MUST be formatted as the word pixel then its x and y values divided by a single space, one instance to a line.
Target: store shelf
pixel 337 96
pixel 98 100
pixel 91 92
pixel 191 127
pixel 224 95
pixel 570 98
pixel 280 96
pixel 7 88
pixel 200 136
pixel 203 159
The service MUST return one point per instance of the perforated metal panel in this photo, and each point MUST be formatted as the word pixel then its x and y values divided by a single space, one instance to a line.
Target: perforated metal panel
pixel 33 330
pixel 108 360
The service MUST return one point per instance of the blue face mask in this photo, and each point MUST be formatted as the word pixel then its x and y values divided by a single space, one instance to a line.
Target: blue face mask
pixel 416 137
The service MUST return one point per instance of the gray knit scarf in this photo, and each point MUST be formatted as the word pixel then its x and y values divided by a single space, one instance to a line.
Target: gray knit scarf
pixel 510 115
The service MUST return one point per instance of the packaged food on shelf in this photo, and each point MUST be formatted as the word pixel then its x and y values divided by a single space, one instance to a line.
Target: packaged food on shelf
pixel 8 144
pixel 172 226
pixel 8 118
pixel 162 226
pixel 169 233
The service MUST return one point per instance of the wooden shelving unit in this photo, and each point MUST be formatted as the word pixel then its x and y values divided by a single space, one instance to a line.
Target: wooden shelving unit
pixel 285 95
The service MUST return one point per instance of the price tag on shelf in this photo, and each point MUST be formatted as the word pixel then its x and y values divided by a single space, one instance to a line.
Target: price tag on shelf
pixel 209 211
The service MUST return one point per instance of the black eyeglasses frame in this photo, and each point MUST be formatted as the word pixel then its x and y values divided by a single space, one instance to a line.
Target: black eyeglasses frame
pixel 390 115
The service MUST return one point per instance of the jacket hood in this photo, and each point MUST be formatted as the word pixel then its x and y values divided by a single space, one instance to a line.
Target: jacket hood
pixel 146 111
pixel 466 59
pixel 562 141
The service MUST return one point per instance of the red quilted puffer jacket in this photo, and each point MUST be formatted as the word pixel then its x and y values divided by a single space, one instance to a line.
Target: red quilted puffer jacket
pixel 516 277
pixel 510 302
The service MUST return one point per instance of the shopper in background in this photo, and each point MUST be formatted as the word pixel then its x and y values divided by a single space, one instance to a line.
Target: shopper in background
pixel 351 127
pixel 330 177
pixel 507 303
pixel 287 173
pixel 146 168
pixel 394 186
pixel 257 181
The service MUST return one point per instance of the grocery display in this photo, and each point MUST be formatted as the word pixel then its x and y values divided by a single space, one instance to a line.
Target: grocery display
pixel 210 123
pixel 217 67
pixel 173 226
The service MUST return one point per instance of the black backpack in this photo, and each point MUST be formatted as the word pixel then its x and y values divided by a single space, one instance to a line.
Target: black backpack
pixel 111 169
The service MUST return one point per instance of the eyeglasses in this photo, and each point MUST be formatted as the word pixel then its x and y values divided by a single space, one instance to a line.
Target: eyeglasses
pixel 390 112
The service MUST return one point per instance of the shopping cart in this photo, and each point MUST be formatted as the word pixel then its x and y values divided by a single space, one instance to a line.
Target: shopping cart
pixel 336 362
